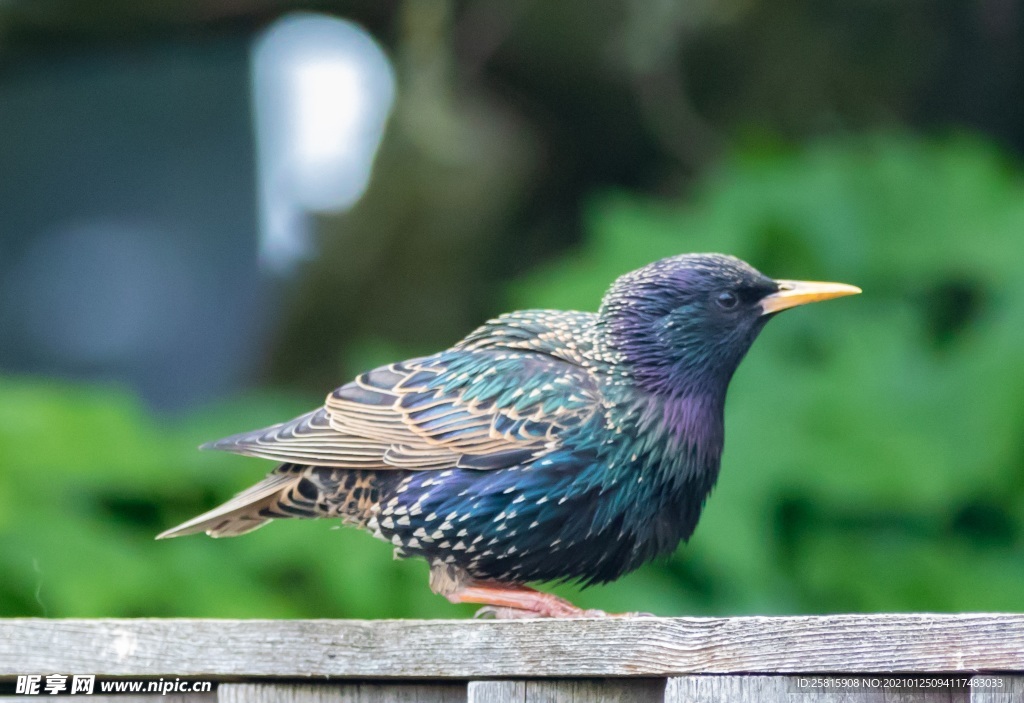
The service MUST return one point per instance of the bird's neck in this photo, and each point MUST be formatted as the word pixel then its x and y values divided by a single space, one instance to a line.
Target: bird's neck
pixel 695 420
pixel 692 423
pixel 677 433
pixel 661 464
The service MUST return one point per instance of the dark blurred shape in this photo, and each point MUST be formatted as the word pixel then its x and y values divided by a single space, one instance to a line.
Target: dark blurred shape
pixel 951 307
pixel 130 511
pixel 985 523
pixel 128 247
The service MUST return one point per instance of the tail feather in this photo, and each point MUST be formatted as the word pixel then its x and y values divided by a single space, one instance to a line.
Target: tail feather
pixel 293 490
pixel 245 512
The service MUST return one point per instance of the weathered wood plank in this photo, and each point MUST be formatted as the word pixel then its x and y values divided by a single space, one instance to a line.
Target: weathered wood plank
pixel 496 692
pixel 421 649
pixel 341 693
pixel 768 689
pixel 568 691
pixel 749 689
pixel 129 698
pixel 1012 690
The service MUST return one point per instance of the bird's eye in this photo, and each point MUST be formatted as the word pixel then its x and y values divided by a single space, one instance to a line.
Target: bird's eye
pixel 727 300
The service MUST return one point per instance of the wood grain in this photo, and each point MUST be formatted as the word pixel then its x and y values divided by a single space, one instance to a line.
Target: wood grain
pixel 1012 691
pixel 341 693
pixel 764 689
pixel 418 649
pixel 751 689
pixel 496 692
pixel 568 691
pixel 126 698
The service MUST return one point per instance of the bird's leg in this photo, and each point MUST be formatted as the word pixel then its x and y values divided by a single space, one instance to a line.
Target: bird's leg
pixel 511 602
pixel 504 601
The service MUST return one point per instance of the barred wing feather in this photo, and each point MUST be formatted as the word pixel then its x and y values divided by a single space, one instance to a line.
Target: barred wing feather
pixel 481 409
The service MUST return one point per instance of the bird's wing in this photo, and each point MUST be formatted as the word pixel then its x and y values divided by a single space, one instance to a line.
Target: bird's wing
pixel 480 408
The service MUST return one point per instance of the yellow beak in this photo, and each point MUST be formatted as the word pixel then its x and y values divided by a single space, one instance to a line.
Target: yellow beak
pixel 793 293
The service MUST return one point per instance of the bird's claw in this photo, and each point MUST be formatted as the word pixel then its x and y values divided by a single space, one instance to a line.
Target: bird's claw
pixel 493 612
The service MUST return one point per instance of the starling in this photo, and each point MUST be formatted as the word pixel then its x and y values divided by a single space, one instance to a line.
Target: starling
pixel 545 446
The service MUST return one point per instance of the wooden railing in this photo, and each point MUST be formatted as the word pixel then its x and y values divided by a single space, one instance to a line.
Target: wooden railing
pixel 861 658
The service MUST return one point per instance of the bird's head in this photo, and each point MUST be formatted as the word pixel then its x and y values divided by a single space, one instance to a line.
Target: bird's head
pixel 683 324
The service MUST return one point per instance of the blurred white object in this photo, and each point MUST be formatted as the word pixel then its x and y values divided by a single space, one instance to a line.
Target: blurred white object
pixel 323 90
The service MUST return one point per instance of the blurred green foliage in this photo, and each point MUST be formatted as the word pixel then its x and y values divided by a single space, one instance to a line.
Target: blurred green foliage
pixel 874 458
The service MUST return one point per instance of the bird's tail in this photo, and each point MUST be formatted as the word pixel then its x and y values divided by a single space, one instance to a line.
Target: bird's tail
pixel 293 490
pixel 250 509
